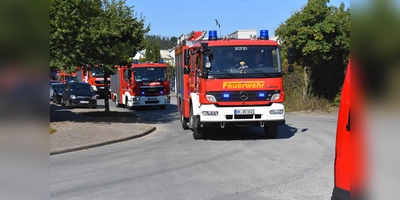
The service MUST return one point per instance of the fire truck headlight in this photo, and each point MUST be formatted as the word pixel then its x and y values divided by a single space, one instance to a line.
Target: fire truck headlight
pixel 94 88
pixel 167 97
pixel 276 112
pixel 73 96
pixel 210 113
pixel 211 98
pixel 135 99
pixel 276 96
pixel 94 97
pixel 208 65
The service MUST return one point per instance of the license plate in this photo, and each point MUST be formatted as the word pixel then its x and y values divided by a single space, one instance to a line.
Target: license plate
pixel 244 112
pixel 152 99
pixel 84 101
pixel 101 87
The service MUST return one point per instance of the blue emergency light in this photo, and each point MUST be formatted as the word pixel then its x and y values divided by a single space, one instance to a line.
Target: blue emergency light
pixel 261 94
pixel 142 92
pixel 212 35
pixel 226 95
pixel 264 34
pixel 161 61
pixel 135 61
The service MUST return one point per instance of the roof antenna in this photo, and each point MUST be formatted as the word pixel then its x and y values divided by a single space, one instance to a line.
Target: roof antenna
pixel 219 26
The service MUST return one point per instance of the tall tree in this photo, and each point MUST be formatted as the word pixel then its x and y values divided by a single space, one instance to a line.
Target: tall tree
pixel 118 37
pixel 320 36
pixel 105 32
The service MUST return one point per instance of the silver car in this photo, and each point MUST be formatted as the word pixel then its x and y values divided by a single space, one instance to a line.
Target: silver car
pixel 52 86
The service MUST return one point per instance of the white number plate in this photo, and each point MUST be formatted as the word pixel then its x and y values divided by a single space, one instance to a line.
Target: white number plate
pixel 101 87
pixel 244 112
pixel 84 101
pixel 152 99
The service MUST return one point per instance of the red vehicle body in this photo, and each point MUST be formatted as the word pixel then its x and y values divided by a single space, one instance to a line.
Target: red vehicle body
pixel 215 90
pixel 64 77
pixel 350 164
pixel 93 75
pixel 141 84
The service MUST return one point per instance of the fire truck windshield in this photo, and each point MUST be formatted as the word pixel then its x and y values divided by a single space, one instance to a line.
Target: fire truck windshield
pixel 70 78
pixel 245 61
pixel 97 72
pixel 149 74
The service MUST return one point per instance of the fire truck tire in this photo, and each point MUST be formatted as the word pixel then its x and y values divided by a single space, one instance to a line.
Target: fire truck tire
pixel 271 130
pixel 126 104
pixel 116 103
pixel 184 123
pixel 198 132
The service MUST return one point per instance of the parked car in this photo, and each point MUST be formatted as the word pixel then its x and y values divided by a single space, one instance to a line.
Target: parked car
pixel 78 94
pixel 52 86
pixel 57 93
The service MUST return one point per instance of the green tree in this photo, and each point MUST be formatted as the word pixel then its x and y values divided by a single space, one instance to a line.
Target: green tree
pixel 105 32
pixel 320 36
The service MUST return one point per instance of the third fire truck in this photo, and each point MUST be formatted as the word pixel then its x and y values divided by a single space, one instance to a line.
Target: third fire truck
pixel 229 81
pixel 93 75
pixel 141 84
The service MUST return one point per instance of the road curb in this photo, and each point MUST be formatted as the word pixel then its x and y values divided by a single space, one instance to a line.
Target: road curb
pixel 85 147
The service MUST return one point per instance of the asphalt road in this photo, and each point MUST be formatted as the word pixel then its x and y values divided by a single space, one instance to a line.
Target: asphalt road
pixel 232 164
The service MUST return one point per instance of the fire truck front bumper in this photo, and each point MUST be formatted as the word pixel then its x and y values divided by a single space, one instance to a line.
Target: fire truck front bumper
pixel 212 113
pixel 99 90
pixel 150 100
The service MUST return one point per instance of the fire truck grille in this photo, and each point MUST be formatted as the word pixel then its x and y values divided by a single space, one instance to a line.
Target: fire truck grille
pixel 243 95
pixel 148 91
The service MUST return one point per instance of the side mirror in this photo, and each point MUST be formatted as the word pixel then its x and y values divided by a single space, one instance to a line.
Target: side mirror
pixel 290 55
pixel 186 57
pixel 186 70
pixel 129 74
pixel 290 69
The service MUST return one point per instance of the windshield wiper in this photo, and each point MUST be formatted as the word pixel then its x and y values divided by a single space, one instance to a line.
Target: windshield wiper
pixel 230 74
pixel 262 72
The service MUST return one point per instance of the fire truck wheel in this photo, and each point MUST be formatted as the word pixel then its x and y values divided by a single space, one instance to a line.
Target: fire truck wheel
pixel 195 124
pixel 184 123
pixel 271 130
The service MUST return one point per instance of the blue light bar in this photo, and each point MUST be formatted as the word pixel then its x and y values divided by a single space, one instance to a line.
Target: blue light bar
pixel 135 61
pixel 212 35
pixel 226 95
pixel 161 92
pixel 261 94
pixel 264 34
pixel 161 61
pixel 142 92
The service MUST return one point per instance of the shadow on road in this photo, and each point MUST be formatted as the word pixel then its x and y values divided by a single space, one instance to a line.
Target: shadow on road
pixel 59 113
pixel 249 133
pixel 154 114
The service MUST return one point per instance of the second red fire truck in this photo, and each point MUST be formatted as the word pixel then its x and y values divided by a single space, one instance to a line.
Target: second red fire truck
pixel 229 81
pixel 141 84
pixel 93 75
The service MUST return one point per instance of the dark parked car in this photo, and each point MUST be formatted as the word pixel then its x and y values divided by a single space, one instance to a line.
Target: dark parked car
pixel 78 94
pixel 57 93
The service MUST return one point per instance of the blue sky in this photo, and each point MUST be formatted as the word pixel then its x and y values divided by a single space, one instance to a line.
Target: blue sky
pixel 177 17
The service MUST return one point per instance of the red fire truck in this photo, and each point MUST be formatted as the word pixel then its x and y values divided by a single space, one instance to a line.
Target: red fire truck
pixel 141 84
pixel 229 82
pixel 93 75
pixel 64 77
